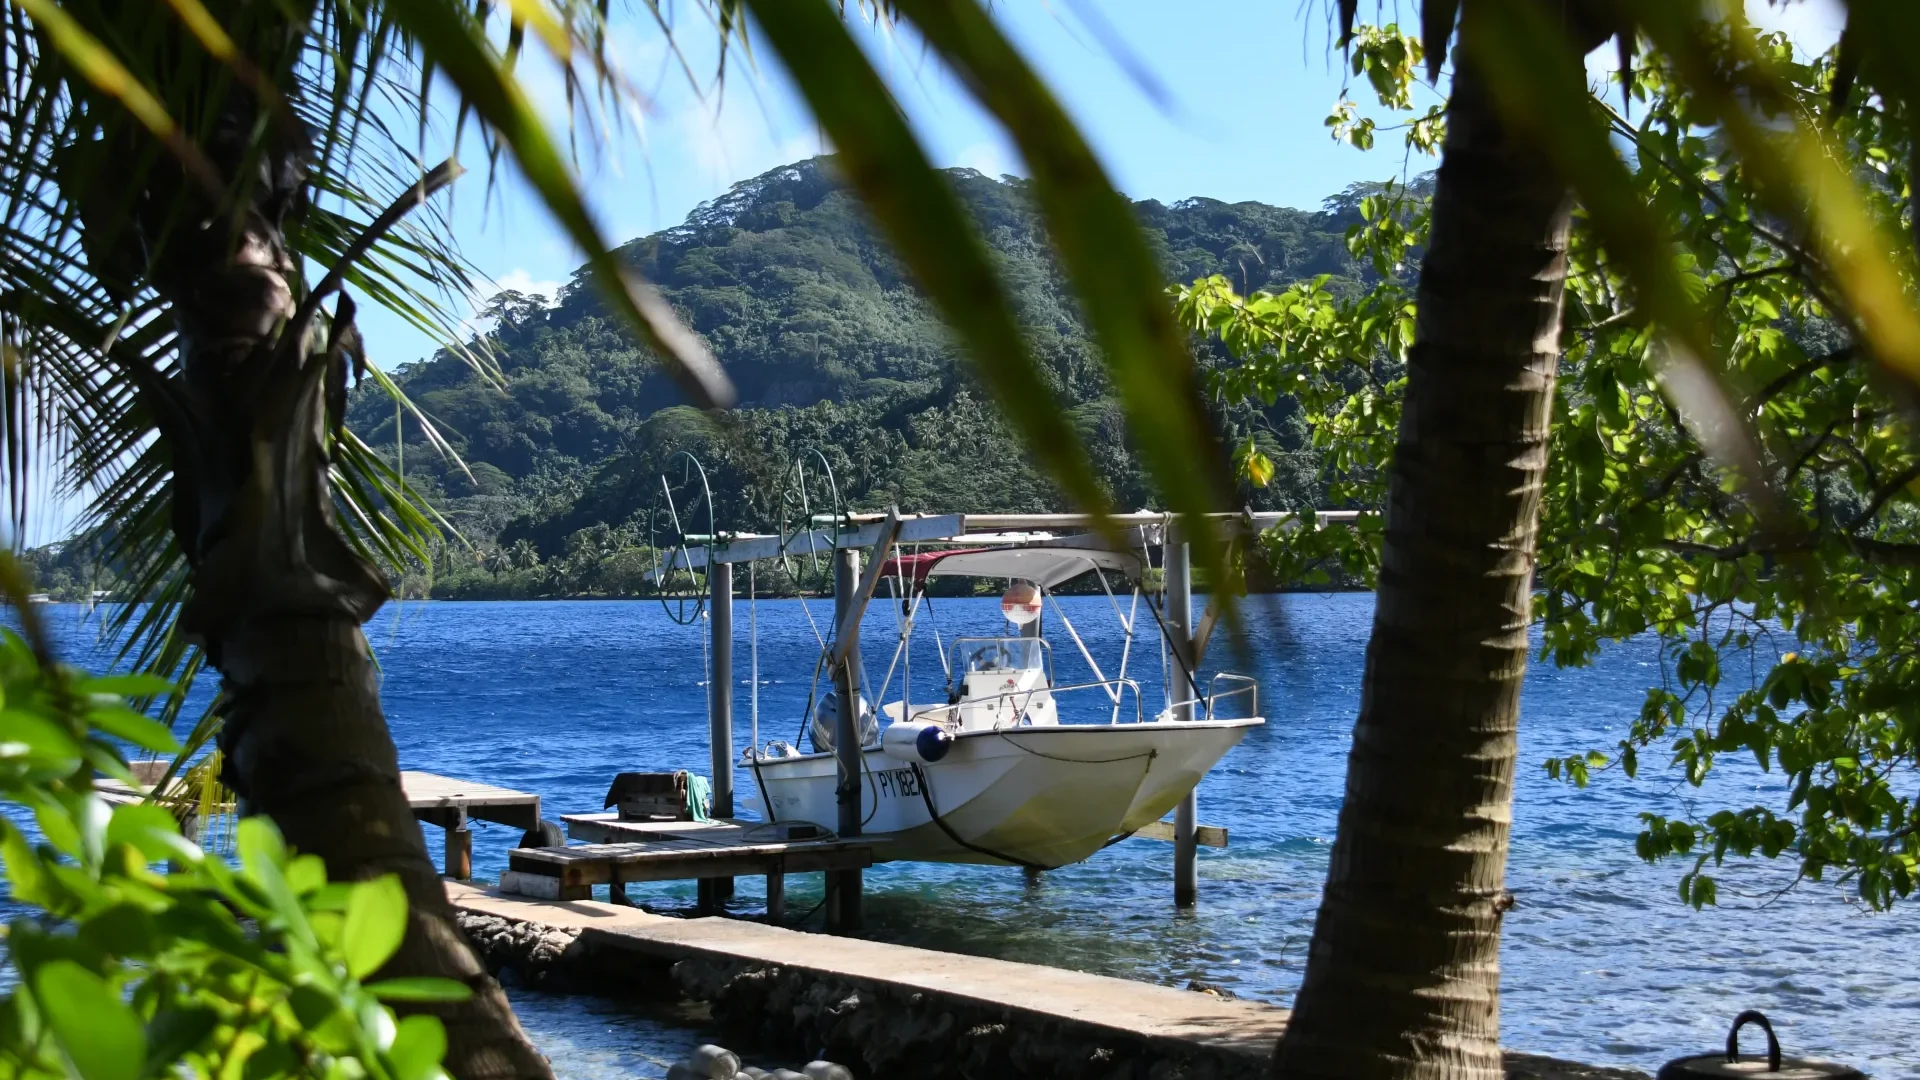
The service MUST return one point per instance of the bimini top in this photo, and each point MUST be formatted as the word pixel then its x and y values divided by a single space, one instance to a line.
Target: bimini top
pixel 1047 565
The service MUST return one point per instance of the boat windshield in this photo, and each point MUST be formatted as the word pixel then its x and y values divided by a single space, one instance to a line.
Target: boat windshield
pixel 1001 654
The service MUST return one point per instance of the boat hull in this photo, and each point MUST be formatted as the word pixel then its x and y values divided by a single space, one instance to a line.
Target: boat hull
pixel 1039 796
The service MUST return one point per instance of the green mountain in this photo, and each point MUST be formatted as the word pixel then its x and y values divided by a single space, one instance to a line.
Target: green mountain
pixel 833 349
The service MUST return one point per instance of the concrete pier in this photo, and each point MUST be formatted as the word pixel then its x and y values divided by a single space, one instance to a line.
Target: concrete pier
pixel 891 1009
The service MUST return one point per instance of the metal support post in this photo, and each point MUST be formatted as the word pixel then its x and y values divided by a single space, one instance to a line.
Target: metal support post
pixel 844 886
pixel 720 705
pixel 1177 567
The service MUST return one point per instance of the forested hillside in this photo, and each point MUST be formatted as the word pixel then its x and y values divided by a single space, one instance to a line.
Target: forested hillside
pixel 832 347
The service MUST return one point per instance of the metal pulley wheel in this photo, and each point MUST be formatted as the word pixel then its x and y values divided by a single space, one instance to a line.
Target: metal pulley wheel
pixel 1768 1066
pixel 810 517
pixel 680 522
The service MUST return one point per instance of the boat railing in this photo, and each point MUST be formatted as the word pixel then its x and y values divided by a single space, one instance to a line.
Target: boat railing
pixel 1205 706
pixel 1243 685
pixel 1116 690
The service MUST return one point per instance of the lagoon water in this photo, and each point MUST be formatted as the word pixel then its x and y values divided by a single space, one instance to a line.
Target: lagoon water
pixel 1601 962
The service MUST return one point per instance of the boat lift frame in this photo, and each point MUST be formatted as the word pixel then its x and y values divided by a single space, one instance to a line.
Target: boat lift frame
pixel 853 589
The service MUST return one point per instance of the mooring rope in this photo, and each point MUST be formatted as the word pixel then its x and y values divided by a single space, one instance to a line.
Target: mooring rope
pixel 926 796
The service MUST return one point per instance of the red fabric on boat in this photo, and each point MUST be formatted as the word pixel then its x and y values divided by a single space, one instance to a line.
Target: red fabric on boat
pixel 916 567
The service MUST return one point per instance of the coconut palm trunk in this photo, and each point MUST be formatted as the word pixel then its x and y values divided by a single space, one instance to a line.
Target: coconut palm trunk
pixel 1403 973
pixel 278 596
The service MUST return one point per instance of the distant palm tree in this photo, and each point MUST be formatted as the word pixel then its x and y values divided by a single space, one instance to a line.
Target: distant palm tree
pixel 524 556
pixel 497 561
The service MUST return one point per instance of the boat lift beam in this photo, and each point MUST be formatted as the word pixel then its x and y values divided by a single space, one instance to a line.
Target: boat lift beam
pixel 914 528
pixel 922 528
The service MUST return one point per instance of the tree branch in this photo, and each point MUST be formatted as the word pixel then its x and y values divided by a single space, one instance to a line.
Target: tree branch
pixel 1886 491
pixel 1800 371
pixel 1878 552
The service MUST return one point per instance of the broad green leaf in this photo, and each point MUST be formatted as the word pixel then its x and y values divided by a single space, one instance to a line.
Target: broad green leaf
pixel 152 831
pixel 100 1036
pixel 306 874
pixel 263 855
pixel 27 880
pixel 418 1045
pixel 142 731
pixel 376 923
pixel 173 1032
pixel 134 685
pixel 32 741
pixel 419 988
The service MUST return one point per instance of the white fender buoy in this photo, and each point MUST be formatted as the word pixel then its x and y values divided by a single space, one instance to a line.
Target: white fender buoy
pixel 920 741
pixel 827 1070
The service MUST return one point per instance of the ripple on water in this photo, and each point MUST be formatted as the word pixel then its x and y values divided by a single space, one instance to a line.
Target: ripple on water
pixel 1601 962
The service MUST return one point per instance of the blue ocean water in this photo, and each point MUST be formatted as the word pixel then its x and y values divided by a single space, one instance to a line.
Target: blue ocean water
pixel 1601 962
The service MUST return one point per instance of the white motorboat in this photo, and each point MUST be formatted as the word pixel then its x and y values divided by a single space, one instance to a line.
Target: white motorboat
pixel 1012 768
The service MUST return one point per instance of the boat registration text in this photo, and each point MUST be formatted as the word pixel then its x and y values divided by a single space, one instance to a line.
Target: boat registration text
pixel 897 784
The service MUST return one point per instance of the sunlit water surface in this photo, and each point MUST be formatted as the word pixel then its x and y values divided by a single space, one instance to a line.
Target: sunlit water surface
pixel 1601 962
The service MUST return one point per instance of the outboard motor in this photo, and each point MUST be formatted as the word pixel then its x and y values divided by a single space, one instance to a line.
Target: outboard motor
pixel 826 715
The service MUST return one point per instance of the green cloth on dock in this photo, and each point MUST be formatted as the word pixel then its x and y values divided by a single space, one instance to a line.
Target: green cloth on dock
pixel 699 796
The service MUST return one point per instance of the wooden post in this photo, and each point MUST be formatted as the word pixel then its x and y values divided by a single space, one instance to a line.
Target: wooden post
pixel 720 705
pixel 459 860
pixel 1175 562
pixel 776 895
pixel 843 886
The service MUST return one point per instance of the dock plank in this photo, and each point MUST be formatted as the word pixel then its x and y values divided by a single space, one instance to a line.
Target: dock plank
pixel 442 799
pixel 1242 1033
pixel 594 864
pixel 608 828
pixel 1143 1009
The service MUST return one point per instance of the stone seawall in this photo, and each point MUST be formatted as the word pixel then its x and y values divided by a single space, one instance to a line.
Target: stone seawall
pixel 885 1025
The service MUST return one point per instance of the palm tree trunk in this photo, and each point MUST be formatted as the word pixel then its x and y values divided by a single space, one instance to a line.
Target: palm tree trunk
pixel 1403 975
pixel 278 595
pixel 312 752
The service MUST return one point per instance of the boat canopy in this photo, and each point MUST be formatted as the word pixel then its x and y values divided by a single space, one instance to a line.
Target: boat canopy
pixel 1047 566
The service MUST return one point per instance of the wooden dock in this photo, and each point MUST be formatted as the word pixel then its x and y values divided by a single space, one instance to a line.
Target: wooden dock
pixel 1017 1020
pixel 437 800
pixel 624 852
pixel 450 803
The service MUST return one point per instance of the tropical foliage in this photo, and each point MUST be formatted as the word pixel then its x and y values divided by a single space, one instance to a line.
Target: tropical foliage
pixel 831 346
pixel 212 969
pixel 1784 597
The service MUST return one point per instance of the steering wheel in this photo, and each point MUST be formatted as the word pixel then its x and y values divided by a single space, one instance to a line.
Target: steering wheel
pixel 992 657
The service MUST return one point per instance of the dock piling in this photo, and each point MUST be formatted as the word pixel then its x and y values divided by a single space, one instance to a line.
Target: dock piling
pixel 717 891
pixel 459 859
pixel 844 886
pixel 1176 563
pixel 776 896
